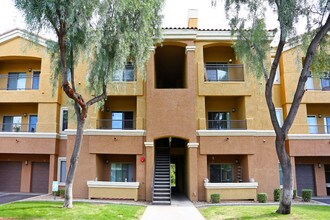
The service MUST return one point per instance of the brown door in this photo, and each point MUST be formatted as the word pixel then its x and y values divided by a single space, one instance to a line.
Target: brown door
pixel 40 177
pixel 305 177
pixel 10 176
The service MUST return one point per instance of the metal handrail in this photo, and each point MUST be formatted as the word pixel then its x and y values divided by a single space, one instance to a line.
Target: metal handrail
pixel 17 127
pixel 26 86
pixel 226 125
pixel 125 124
pixel 228 72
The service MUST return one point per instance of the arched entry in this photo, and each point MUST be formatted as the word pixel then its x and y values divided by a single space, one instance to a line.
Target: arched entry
pixel 170 168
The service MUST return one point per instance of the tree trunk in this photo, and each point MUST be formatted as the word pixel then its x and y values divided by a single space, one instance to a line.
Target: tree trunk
pixel 73 163
pixel 287 191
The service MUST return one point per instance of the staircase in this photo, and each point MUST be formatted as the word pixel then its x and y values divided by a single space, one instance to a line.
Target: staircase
pixel 162 181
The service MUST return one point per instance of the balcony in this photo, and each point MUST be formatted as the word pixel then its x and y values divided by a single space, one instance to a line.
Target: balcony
pixel 19 81
pixel 219 72
pixel 18 127
pixel 317 89
pixel 227 125
pixel 115 124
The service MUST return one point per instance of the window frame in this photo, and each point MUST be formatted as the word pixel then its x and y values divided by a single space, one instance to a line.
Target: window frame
pixel 59 160
pixel 277 78
pixel 317 130
pixel 121 74
pixel 281 114
pixel 16 86
pixel 217 76
pixel 32 114
pixel 61 118
pixel 122 163
pixel 326 125
pixel 232 172
pixel 33 71
pixel 12 122
pixel 123 120
pixel 228 115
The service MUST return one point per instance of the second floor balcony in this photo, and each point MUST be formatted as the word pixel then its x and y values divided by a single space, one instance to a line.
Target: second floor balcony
pixel 115 124
pixel 223 72
pixel 321 83
pixel 226 125
pixel 20 81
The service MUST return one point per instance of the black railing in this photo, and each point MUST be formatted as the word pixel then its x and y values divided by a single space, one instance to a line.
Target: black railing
pixel 224 72
pixel 113 124
pixel 227 125
pixel 18 127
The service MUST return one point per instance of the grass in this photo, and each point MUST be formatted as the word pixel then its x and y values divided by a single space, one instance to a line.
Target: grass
pixel 54 210
pixel 264 212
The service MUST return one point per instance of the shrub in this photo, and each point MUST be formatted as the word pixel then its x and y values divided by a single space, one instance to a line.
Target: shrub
pixel 306 195
pixel 294 194
pixel 277 195
pixel 215 198
pixel 60 192
pixel 262 197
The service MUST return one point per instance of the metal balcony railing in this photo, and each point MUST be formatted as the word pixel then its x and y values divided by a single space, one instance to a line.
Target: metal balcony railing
pixel 226 125
pixel 110 124
pixel 18 127
pixel 224 72
pixel 318 83
pixel 19 81
pixel 318 129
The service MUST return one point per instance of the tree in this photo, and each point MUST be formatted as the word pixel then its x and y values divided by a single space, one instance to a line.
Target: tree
pixel 110 32
pixel 247 21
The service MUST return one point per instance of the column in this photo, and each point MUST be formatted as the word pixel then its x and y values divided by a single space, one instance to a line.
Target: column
pixel 149 168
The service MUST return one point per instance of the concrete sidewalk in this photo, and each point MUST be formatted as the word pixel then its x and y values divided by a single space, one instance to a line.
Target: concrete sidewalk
pixel 181 209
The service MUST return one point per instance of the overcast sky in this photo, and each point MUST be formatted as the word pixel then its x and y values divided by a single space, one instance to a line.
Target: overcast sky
pixel 175 15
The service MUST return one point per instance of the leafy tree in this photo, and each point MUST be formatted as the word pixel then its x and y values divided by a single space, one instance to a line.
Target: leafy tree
pixel 247 20
pixel 109 31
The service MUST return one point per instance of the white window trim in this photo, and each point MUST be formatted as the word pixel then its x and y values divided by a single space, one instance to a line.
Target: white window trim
pixel 32 79
pixel 59 160
pixel 317 129
pixel 28 125
pixel 277 79
pixel 282 118
pixel 61 117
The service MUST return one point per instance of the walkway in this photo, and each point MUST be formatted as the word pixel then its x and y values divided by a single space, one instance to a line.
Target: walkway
pixel 181 208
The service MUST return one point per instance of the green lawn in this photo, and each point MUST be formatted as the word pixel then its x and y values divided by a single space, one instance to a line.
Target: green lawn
pixel 54 210
pixel 264 212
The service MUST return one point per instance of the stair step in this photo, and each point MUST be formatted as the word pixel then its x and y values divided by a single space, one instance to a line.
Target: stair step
pixel 162 197
pixel 161 193
pixel 162 202
pixel 162 182
pixel 162 186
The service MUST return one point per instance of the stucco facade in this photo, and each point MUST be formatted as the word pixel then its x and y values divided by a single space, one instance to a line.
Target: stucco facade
pixel 195 98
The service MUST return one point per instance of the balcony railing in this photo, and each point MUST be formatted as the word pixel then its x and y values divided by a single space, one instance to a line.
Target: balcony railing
pixel 227 125
pixel 224 72
pixel 19 82
pixel 109 124
pixel 319 129
pixel 18 127
pixel 318 83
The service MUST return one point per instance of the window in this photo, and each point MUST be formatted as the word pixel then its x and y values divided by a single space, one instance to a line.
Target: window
pixel 312 124
pixel 64 118
pixel 277 79
pixel 16 81
pixel 125 75
pixel 216 71
pixel 121 172
pixel 219 120
pixel 33 120
pixel 327 125
pixel 281 173
pixel 61 170
pixel 122 120
pixel 279 116
pixel 310 82
pixel 35 79
pixel 325 82
pixel 221 173
pixel 12 123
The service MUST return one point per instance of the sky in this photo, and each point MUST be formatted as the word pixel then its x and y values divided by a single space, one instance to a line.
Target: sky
pixel 175 15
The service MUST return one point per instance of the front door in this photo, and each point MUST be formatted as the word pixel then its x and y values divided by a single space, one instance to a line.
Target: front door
pixel 33 119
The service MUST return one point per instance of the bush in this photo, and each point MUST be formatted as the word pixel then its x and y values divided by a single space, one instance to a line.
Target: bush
pixel 306 195
pixel 60 193
pixel 215 198
pixel 262 197
pixel 277 195
pixel 294 194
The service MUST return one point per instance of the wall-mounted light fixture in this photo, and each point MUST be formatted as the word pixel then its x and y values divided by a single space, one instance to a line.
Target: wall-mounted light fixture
pixel 319 165
pixel 319 115
pixel 107 161
pixel 107 109
pixel 26 162
pixel 25 114
pixel 230 60
pixel 30 70
pixel 233 109
pixel 237 161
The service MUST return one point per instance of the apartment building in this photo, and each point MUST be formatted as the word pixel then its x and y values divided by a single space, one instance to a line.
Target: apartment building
pixel 196 109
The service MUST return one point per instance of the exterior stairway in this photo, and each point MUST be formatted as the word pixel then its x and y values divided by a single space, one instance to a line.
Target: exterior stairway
pixel 162 182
